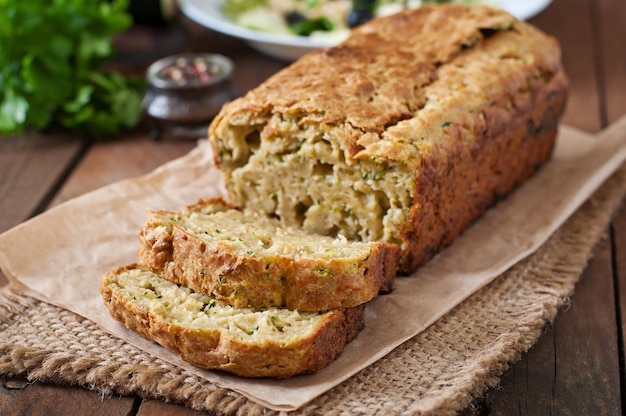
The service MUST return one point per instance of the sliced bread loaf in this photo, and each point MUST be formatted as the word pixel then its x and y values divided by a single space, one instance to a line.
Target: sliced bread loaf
pixel 209 334
pixel 246 259
pixel 406 132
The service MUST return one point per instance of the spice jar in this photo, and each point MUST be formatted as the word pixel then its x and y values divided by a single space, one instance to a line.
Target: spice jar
pixel 185 92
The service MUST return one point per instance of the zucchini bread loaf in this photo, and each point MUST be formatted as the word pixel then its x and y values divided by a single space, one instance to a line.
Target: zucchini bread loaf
pixel 209 334
pixel 405 133
pixel 246 259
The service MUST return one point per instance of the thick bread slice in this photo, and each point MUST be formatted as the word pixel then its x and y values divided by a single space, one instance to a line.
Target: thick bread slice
pixel 210 334
pixel 249 260
pixel 407 132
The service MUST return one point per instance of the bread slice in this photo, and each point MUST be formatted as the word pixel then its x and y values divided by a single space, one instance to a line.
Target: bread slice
pixel 406 133
pixel 246 259
pixel 209 334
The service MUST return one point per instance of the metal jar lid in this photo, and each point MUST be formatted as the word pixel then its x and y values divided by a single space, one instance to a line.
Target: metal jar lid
pixel 185 92
pixel 189 71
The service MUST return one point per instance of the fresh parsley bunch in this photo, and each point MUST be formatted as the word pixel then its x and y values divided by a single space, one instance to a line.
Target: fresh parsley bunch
pixel 51 52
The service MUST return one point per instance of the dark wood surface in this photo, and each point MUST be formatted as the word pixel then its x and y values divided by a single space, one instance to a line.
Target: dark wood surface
pixel 577 366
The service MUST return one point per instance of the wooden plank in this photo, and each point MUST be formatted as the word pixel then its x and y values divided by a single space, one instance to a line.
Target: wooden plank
pixel 612 33
pixel 18 397
pixel 619 253
pixel 153 407
pixel 114 160
pixel 30 167
pixel 572 370
pixel 587 351
pixel 569 21
pixel 520 390
pixel 611 30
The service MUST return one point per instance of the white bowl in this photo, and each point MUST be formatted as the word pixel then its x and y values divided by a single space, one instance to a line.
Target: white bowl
pixel 290 48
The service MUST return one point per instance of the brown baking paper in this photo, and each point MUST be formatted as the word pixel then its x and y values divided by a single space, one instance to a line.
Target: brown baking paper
pixel 59 255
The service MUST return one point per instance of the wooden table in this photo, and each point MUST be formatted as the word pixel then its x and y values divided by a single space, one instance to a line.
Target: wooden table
pixel 576 368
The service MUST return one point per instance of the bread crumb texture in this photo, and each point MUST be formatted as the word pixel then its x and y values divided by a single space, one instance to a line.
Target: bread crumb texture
pixel 271 342
pixel 405 133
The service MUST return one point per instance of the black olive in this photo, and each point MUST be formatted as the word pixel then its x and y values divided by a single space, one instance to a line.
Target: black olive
pixel 363 4
pixel 362 11
pixel 294 17
pixel 357 17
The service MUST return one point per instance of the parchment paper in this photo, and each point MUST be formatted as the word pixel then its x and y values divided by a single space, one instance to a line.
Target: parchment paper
pixel 59 256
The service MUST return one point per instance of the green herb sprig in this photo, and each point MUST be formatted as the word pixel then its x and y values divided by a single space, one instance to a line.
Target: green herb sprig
pixel 51 56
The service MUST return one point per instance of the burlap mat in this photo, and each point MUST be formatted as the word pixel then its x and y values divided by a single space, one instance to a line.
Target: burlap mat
pixel 438 371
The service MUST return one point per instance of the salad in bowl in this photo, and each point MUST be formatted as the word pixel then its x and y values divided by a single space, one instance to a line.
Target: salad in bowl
pixel 287 29
pixel 323 19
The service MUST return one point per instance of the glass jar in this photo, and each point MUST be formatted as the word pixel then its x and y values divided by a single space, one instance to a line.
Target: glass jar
pixel 185 92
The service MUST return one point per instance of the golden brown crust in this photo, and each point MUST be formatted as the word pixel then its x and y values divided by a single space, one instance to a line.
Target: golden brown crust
pixel 453 192
pixel 464 101
pixel 255 279
pixel 219 350
pixel 378 76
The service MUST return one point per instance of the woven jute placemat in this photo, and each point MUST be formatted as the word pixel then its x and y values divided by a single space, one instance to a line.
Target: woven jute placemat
pixel 438 371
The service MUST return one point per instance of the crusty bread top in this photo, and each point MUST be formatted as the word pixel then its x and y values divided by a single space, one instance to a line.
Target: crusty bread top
pixel 387 72
pixel 404 133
